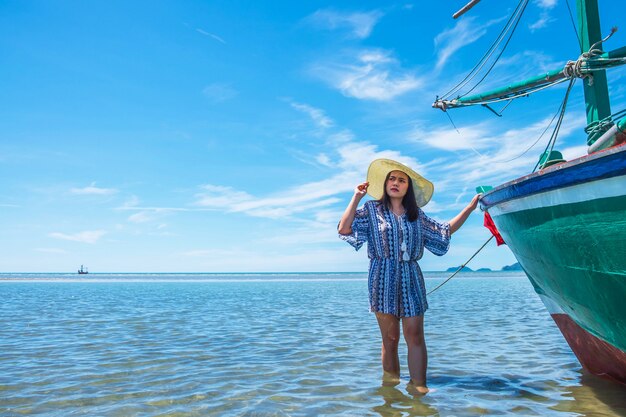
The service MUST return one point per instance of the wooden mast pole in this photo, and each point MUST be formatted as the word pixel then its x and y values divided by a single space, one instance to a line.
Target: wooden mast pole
pixel 465 8
pixel 596 88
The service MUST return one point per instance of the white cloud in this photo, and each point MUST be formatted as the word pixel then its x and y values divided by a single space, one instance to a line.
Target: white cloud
pixel 375 76
pixel 218 196
pixel 542 22
pixel 546 4
pixel 218 93
pixel 211 35
pixel 93 190
pixel 149 214
pixel 473 137
pixel 574 152
pixel 353 159
pixel 89 236
pixel 141 217
pixel 281 205
pixel 464 33
pixel 451 40
pixel 544 16
pixel 358 24
pixel 132 201
pixel 503 154
pixel 323 159
pixel 317 115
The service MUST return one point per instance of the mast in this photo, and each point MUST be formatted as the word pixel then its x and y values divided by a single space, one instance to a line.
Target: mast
pixel 595 87
pixel 591 66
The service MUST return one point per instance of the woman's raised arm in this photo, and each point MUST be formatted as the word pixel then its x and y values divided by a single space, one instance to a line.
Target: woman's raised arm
pixel 459 219
pixel 345 224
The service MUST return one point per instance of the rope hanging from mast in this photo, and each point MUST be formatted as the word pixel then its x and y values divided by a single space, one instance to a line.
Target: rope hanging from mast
pixel 509 28
pixel 557 127
pixel 584 67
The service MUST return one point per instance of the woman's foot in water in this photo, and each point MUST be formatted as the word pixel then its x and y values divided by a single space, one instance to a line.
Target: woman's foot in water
pixel 390 379
pixel 417 388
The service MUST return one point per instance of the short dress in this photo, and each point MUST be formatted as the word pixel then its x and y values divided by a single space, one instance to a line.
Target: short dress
pixel 394 245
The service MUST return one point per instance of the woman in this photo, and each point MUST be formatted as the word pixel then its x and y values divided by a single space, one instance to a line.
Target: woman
pixel 397 231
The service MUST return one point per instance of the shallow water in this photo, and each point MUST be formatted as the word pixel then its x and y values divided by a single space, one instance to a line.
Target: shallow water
pixel 278 345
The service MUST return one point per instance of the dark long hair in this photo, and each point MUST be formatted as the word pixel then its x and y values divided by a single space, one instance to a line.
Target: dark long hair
pixel 408 201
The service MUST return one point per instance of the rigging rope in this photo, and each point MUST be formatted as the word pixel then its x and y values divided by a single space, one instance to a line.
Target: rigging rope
pixel 601 125
pixel 501 52
pixel 581 67
pixel 557 127
pixel 571 16
pixel 516 95
pixel 537 141
pixel 460 267
pixel 513 21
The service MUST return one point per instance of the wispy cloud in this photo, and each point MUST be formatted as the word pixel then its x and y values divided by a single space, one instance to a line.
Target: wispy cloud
pixel 464 33
pixel 467 138
pixel 503 154
pixel 544 16
pixel 350 163
pixel 318 116
pixel 218 92
pixel 211 35
pixel 281 205
pixel 323 159
pixel 358 24
pixel 542 22
pixel 88 236
pixel 370 75
pixel 93 190
pixel 132 201
pixel 546 4
pixel 150 214
pixel 142 217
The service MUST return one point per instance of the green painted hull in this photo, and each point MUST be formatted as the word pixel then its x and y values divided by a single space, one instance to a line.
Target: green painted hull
pixel 575 254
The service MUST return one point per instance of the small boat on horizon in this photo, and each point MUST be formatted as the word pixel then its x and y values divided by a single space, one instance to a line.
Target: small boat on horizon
pixel 83 270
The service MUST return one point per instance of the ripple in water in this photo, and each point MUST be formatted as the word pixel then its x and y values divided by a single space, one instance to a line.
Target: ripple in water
pixel 277 346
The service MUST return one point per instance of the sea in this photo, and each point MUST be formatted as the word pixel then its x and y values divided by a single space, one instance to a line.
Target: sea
pixel 279 345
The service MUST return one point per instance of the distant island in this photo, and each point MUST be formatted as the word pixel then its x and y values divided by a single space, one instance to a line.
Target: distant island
pixel 515 267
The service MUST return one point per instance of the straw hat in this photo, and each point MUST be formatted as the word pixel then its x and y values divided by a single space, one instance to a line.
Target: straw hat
pixel 378 170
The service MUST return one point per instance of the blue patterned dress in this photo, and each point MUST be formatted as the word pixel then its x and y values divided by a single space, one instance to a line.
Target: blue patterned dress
pixel 394 245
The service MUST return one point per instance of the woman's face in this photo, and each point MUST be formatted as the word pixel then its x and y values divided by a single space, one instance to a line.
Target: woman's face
pixel 397 184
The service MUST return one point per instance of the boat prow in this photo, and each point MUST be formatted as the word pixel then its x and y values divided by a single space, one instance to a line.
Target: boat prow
pixel 566 227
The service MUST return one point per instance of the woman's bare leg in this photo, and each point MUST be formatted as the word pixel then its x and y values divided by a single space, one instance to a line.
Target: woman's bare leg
pixel 390 331
pixel 413 330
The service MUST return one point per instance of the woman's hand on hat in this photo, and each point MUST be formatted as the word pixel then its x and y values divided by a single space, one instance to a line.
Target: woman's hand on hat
pixel 361 190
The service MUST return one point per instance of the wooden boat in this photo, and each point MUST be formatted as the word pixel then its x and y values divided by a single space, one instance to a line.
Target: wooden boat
pixel 566 222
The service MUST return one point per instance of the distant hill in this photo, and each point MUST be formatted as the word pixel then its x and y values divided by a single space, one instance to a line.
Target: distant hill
pixel 515 267
pixel 454 268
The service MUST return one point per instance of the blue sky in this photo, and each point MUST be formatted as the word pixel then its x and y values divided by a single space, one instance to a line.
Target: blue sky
pixel 225 136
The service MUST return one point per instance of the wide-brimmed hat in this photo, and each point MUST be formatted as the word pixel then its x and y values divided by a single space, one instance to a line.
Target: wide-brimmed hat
pixel 378 170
